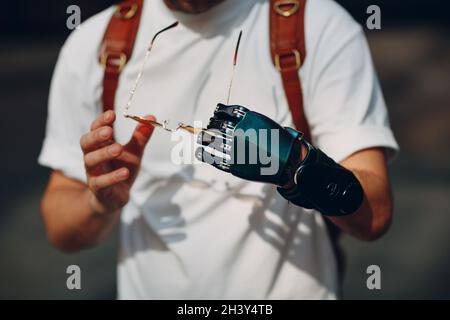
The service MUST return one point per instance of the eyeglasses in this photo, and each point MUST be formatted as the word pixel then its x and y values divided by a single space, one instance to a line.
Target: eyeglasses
pixel 165 124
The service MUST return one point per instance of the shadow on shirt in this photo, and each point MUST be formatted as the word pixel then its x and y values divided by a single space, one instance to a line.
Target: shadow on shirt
pixel 295 234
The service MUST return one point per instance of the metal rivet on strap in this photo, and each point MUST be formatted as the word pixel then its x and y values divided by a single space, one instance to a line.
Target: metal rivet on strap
pixel 128 14
pixel 286 8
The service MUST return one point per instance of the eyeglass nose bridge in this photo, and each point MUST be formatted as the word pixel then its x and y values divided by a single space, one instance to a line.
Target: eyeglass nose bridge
pixel 165 126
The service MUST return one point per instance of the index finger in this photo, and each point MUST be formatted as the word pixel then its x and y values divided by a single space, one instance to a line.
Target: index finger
pixel 105 119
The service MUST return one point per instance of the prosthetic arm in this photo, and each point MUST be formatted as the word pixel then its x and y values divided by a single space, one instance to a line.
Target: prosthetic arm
pixel 251 146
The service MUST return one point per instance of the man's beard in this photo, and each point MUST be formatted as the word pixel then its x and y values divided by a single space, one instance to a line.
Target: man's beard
pixel 192 6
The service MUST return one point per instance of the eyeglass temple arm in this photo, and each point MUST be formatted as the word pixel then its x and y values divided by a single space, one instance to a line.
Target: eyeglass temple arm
pixel 173 25
pixel 141 71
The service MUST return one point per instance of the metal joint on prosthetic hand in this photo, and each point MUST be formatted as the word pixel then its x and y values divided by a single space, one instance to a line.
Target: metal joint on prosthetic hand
pixel 324 185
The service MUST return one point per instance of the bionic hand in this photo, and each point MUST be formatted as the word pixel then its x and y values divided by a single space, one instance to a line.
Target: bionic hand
pixel 251 146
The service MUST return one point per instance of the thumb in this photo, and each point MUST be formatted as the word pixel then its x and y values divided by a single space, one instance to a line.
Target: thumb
pixel 140 137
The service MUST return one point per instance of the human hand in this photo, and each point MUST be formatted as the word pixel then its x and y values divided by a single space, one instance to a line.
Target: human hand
pixel 112 168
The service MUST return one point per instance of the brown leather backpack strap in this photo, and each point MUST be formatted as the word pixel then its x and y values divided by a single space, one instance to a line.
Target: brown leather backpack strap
pixel 287 45
pixel 288 48
pixel 117 47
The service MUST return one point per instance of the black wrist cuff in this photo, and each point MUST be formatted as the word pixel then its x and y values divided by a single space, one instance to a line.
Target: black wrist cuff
pixel 324 185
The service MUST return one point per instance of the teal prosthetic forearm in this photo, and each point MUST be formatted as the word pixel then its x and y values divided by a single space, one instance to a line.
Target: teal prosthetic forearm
pixel 251 146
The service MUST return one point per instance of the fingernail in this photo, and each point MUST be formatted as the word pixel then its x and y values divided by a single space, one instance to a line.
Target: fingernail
pixel 145 130
pixel 122 173
pixel 115 149
pixel 108 115
pixel 104 133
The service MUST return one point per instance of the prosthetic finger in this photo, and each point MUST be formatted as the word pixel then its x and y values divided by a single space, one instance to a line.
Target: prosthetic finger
pixel 218 142
pixel 225 127
pixel 218 160
pixel 232 113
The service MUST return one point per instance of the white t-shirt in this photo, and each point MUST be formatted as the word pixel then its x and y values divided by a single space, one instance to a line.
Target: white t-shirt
pixel 192 231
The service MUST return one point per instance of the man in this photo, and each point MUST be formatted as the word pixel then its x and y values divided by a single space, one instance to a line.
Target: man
pixel 191 231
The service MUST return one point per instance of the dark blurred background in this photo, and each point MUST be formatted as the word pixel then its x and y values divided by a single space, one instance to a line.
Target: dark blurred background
pixel 412 55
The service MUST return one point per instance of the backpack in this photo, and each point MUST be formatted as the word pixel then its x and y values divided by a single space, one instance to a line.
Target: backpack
pixel 287 46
